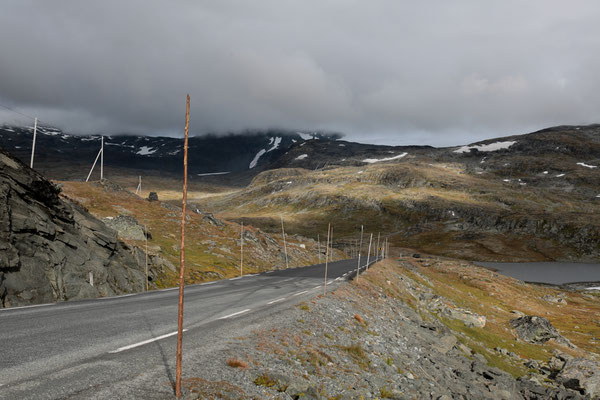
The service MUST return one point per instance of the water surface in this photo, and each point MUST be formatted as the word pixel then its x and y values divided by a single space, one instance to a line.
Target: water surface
pixel 556 273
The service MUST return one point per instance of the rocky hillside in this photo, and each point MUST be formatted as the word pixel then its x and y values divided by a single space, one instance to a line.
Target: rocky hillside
pixel 51 249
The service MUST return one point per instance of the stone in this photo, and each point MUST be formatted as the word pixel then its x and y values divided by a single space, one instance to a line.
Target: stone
pixel 534 329
pixel 469 318
pixel 445 344
pixel 153 196
pixel 582 375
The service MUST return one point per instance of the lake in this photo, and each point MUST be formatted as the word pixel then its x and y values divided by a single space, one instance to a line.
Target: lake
pixel 556 273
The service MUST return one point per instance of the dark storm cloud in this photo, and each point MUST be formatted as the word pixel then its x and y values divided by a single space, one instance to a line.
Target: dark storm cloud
pixel 438 72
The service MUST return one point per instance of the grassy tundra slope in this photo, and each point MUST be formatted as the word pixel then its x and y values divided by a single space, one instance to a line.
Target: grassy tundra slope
pixel 528 197
pixel 212 245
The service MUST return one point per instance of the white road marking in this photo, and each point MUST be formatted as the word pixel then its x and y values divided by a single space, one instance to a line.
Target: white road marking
pixel 270 272
pixel 276 301
pixel 131 346
pixel 337 279
pixel 285 280
pixel 233 279
pixel 22 307
pixel 316 287
pixel 207 283
pixel 251 275
pixel 330 282
pixel 235 313
pixel 299 293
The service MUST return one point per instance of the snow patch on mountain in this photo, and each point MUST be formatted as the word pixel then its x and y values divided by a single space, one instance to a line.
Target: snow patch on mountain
pixel 256 158
pixel 376 160
pixel 276 144
pixel 486 147
pixel 587 165
pixel 301 157
pixel 145 150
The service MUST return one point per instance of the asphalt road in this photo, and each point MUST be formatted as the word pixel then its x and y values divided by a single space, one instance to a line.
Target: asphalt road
pixel 81 349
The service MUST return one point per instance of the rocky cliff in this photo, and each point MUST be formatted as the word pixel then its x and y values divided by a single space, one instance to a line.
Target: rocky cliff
pixel 51 249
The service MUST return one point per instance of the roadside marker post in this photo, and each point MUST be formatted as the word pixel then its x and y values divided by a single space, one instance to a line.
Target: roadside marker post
pixel 182 255
pixel 319 247
pixel 359 248
pixel 326 260
pixel 146 238
pixel 369 253
pixel 242 249
pixel 377 251
pixel 284 245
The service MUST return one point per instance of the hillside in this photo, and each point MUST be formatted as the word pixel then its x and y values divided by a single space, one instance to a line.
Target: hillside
pixel 526 197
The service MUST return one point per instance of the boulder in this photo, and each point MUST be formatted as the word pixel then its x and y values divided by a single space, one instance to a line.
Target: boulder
pixel 582 375
pixel 534 329
pixel 152 196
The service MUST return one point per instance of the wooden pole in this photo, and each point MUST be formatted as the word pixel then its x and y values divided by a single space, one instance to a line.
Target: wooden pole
pixel 102 158
pixel 326 259
pixel 182 255
pixel 242 249
pixel 146 237
pixel 359 248
pixel 33 146
pixel 369 253
pixel 93 165
pixel 319 247
pixel 377 251
pixel 284 245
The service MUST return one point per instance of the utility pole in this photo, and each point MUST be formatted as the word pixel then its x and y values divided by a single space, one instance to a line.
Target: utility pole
pixel 33 147
pixel 369 253
pixel 319 247
pixel 94 164
pixel 326 260
pixel 377 251
pixel 242 249
pixel 146 237
pixel 284 245
pixel 182 255
pixel 102 158
pixel 138 190
pixel 359 248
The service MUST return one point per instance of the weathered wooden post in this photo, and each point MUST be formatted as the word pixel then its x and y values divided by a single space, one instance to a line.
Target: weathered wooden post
pixel 284 245
pixel 242 249
pixel 359 249
pixel 182 255
pixel 369 253
pixel 326 259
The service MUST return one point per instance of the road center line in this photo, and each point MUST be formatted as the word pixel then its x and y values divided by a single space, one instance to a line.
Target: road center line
pixel 316 287
pixel 276 301
pixel 131 346
pixel 299 293
pixel 235 313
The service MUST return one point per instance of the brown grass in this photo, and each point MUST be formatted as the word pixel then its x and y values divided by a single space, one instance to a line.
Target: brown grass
pixel 360 319
pixel 237 363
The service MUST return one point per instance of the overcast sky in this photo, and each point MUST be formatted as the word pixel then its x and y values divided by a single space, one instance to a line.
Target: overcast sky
pixel 396 72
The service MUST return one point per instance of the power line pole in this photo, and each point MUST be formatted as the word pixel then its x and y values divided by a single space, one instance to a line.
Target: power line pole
pixel 33 146
pixel 102 158
pixel 326 260
pixel 138 190
pixel 359 248
pixel 93 165
pixel 284 245
pixel 182 255
pixel 242 249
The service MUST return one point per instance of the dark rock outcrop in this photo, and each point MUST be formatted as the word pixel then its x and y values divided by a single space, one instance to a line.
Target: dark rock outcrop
pixel 535 329
pixel 53 250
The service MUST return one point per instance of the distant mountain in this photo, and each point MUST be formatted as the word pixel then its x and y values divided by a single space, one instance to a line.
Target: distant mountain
pixel 59 153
